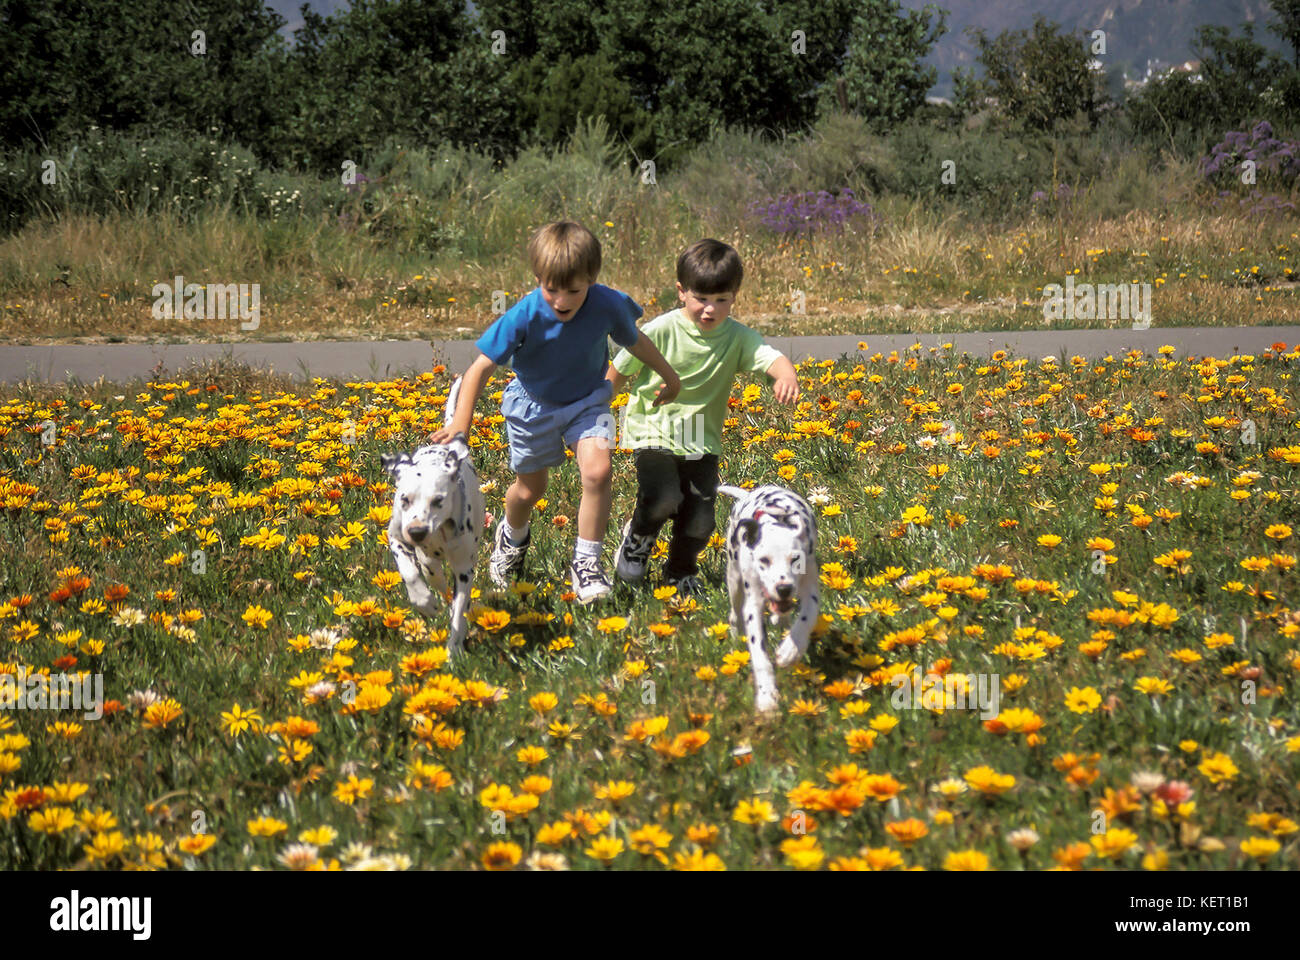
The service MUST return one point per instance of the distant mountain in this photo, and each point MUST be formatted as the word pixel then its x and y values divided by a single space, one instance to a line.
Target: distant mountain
pixel 1136 30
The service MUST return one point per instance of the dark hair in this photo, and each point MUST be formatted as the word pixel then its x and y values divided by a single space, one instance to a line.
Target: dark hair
pixel 710 266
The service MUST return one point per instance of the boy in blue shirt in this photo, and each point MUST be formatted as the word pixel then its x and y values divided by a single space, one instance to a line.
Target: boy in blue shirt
pixel 556 338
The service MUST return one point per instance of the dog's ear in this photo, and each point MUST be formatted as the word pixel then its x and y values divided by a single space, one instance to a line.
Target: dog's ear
pixel 392 462
pixel 457 450
pixel 748 530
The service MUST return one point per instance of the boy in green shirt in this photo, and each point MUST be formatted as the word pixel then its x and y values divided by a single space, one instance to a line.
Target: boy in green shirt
pixel 677 444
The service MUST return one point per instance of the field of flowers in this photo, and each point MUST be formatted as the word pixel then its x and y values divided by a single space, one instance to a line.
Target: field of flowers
pixel 1111 543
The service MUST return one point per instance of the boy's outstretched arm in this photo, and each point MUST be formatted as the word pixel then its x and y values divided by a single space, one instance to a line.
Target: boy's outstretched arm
pixel 645 351
pixel 470 388
pixel 619 380
pixel 786 386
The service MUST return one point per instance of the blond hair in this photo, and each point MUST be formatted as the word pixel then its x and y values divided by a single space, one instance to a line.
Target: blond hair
pixel 563 252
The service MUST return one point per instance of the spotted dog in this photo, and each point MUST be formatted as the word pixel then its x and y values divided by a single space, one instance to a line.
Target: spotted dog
pixel 437 520
pixel 771 563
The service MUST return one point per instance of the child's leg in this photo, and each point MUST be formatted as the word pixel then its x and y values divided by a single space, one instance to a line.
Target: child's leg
pixel 592 454
pixel 522 495
pixel 658 491
pixel 693 522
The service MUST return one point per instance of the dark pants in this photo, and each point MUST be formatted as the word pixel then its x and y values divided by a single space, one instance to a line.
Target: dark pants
pixel 675 488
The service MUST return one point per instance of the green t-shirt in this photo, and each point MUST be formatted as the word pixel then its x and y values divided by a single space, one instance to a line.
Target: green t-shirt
pixel 707 364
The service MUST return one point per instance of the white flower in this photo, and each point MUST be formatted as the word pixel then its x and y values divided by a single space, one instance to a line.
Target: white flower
pixel 299 856
pixel 129 617
pixel 324 638
pixel 355 851
pixel 819 496
pixel 541 860
pixel 142 699
pixel 1146 781
pixel 319 691
pixel 1023 839
pixel 926 443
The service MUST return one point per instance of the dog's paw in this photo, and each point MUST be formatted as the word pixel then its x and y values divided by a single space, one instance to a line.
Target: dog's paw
pixel 787 653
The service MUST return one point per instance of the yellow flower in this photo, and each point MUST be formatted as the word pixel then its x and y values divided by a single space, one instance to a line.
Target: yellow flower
pixel 698 860
pixel 266 827
pixel 256 616
pixel 754 813
pixel 238 720
pixel 198 844
pixel 322 836
pixel 605 848
pixel 1082 701
pixel 1115 841
pixel 611 624
pixel 965 860
pixel 1152 686
pixel 1217 767
pixel 159 714
pixel 352 789
pixel 53 820
pixel 502 856
pixel 543 703
pixel 492 621
pixel 987 780
pixel 1261 848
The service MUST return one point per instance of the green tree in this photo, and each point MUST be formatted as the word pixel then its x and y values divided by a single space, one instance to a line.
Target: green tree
pixel 71 63
pixel 573 88
pixel 1237 71
pixel 883 76
pixel 1288 25
pixel 688 66
pixel 1038 77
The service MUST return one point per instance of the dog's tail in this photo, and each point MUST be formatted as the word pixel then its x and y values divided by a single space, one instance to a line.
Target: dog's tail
pixel 449 411
pixel 736 492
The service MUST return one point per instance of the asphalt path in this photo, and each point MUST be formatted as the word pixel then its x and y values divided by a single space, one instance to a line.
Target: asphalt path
pixel 392 359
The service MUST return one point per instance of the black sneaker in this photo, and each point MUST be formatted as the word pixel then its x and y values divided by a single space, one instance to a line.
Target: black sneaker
pixel 589 578
pixel 507 561
pixel 633 554
pixel 687 586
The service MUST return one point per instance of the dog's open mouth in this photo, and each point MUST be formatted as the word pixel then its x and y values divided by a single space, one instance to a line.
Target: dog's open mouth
pixel 781 606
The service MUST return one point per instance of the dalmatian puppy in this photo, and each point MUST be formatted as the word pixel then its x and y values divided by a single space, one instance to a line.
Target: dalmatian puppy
pixel 437 520
pixel 771 564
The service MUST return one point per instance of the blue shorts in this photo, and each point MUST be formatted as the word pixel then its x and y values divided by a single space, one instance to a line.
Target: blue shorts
pixel 539 432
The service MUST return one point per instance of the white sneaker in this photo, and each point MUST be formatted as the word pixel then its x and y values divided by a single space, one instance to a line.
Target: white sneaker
pixel 589 578
pixel 507 561
pixel 633 554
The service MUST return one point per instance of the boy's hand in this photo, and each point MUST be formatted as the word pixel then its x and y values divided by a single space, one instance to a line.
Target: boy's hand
pixel 668 391
pixel 786 389
pixel 442 435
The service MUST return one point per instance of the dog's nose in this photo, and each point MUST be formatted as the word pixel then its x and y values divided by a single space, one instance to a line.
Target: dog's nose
pixel 417 533
pixel 785 590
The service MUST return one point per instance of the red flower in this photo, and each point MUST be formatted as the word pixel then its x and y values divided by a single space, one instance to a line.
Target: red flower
pixel 1174 791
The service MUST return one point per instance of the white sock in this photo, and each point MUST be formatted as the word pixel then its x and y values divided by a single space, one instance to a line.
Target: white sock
pixel 587 548
pixel 515 536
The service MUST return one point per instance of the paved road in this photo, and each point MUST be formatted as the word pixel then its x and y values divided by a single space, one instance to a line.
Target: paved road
pixel 386 359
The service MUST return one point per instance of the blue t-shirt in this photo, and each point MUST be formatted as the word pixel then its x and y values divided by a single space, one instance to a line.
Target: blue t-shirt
pixel 560 362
